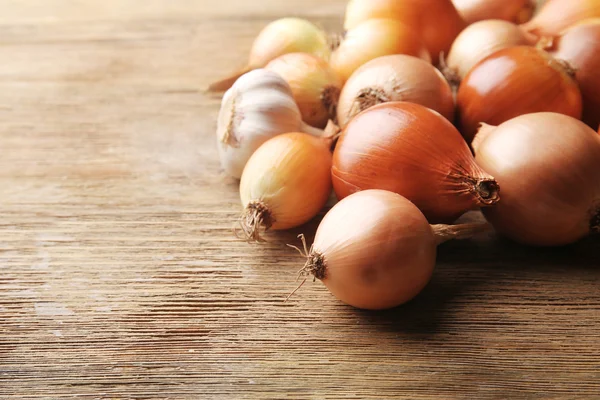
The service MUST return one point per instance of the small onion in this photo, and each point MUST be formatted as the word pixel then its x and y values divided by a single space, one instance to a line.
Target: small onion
pixel 479 41
pixel 516 81
pixel 258 107
pixel 557 15
pixel 413 151
pixel 285 184
pixel 375 250
pixel 580 47
pixel 375 38
pixel 283 36
pixel 436 22
pixel 315 86
pixel 395 78
pixel 549 167
pixel 516 11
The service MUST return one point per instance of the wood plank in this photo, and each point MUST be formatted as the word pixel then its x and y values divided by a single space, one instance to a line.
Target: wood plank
pixel 120 276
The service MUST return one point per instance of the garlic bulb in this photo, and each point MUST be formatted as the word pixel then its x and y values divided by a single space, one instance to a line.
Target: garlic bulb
pixel 256 108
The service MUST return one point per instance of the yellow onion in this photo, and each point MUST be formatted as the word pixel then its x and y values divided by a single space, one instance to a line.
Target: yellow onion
pixel 283 36
pixel 395 78
pixel 557 15
pixel 435 22
pixel 375 38
pixel 285 184
pixel 516 11
pixel 549 167
pixel 315 86
pixel 375 250
pixel 477 42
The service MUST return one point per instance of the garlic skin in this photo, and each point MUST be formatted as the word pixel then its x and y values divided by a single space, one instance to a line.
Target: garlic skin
pixel 256 108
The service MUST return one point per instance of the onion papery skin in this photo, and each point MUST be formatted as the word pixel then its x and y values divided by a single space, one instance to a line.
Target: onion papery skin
pixel 315 86
pixel 515 11
pixel 557 15
pixel 548 165
pixel 377 250
pixel 580 47
pixel 372 39
pixel 436 22
pixel 479 41
pixel 515 81
pixel 286 183
pixel 413 151
pixel 395 78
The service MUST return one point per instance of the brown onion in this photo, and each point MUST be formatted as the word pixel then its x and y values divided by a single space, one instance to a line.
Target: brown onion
pixel 413 151
pixel 516 81
pixel 436 22
pixel 479 41
pixel 557 15
pixel 516 11
pixel 580 46
pixel 375 250
pixel 375 38
pixel 395 78
pixel 549 167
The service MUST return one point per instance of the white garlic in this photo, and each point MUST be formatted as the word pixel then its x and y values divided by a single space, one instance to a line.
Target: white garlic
pixel 256 108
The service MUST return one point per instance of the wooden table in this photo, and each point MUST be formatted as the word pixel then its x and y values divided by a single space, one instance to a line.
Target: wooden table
pixel 120 276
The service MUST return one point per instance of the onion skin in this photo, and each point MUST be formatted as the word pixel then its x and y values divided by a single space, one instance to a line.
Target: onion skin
pixel 549 167
pixel 580 47
pixel 435 21
pixel 557 15
pixel 512 82
pixel 375 250
pixel 413 151
pixel 479 41
pixel 375 38
pixel 515 11
pixel 285 183
pixel 395 78
pixel 315 86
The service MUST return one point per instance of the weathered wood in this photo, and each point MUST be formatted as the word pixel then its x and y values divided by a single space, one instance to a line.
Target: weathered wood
pixel 120 276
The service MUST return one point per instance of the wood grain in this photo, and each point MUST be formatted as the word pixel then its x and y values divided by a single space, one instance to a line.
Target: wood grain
pixel 120 276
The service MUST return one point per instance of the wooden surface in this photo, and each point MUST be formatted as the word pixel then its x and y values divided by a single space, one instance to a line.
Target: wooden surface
pixel 120 276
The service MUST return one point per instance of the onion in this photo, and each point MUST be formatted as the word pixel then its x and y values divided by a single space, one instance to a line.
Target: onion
pixel 549 167
pixel 580 46
pixel 557 15
pixel 375 250
pixel 375 38
pixel 395 78
pixel 315 86
pixel 479 41
pixel 411 150
pixel 436 22
pixel 257 107
pixel 516 11
pixel 285 184
pixel 516 81
pixel 283 36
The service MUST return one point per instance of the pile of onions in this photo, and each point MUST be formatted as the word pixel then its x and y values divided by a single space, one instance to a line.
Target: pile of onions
pixel 375 38
pixel 375 250
pixel 283 36
pixel 557 15
pixel 285 184
pixel 516 81
pixel 516 11
pixel 395 78
pixel 316 88
pixel 413 151
pixel 479 41
pixel 436 22
pixel 549 167
pixel 580 47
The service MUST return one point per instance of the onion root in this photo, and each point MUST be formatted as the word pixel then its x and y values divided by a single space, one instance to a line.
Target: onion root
pixel 368 98
pixel 256 215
